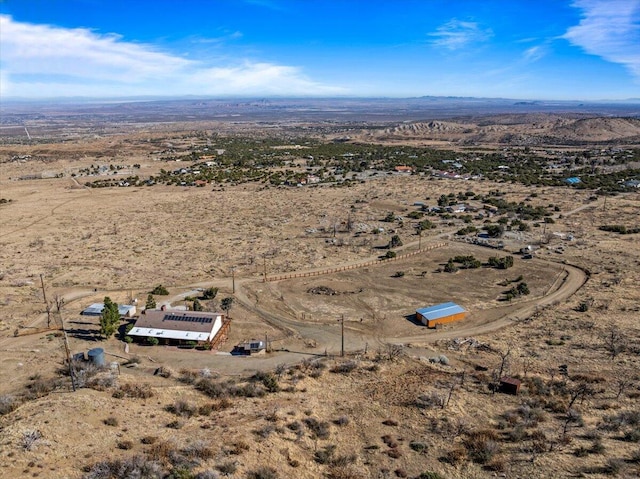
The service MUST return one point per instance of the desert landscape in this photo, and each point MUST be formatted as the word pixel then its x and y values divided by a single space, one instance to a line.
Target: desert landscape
pixel 325 236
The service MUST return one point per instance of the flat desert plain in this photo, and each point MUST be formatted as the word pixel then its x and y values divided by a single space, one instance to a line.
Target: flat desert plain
pixel 403 401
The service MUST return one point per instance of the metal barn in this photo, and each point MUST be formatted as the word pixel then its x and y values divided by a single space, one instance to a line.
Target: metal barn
pixel 440 314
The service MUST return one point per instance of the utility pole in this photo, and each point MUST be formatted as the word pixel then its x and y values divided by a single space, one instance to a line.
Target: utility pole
pixel 264 264
pixel 44 295
pixel 233 279
pixel 342 335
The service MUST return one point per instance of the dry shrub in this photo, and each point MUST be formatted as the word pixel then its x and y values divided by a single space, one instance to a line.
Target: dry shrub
pixel 390 422
pixel 227 468
pixel 138 391
pixel 455 456
pixel 263 472
pixel 7 404
pixel 111 421
pixel 30 439
pixel 136 466
pixel 345 472
pixel 394 453
pixel 161 451
pixel 341 421
pixel 182 408
pixel 149 440
pixel 344 367
pixel 198 450
pixel 497 464
pixel 318 429
pixel 41 387
pixel 238 448
pixel 389 441
pixel 125 445
pixel 482 445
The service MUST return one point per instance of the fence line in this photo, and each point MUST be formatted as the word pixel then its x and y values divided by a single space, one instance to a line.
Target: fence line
pixel 352 266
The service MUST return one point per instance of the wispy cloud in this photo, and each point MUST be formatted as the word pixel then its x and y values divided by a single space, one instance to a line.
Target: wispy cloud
pixel 534 54
pixel 457 34
pixel 44 60
pixel 609 29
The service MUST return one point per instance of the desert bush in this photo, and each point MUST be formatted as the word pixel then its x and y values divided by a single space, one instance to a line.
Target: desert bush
pixel 263 472
pixel 482 445
pixel 341 421
pixel 111 421
pixel 161 451
pixel 138 391
pixel 401 472
pixel 227 468
pixel 265 431
pixel 41 387
pixel 208 474
pixel 345 367
pixel 135 466
pixel 7 404
pixel 633 435
pixel 430 475
pixel 148 440
pixel 198 450
pixel 394 453
pixel 295 425
pixel 175 424
pixel 418 446
pixel 324 456
pixel 211 388
pixel 182 408
pixel 432 400
pixel 318 429
pixel 125 445
pixel 270 382
pixel 390 422
pixel 30 439
pixel 238 447
pixel 389 441
pixel 345 472
pixel 613 466
pixel 454 456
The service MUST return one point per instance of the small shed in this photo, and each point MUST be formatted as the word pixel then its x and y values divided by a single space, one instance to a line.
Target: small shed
pixel 440 314
pixel 247 348
pixel 510 385
pixel 125 310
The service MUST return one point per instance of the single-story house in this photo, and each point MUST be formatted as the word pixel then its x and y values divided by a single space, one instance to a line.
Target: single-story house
pixel 125 310
pixel 440 314
pixel 179 327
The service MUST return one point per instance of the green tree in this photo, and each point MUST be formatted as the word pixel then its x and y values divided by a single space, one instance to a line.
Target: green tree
pixel 197 306
pixel 395 242
pixel 209 293
pixel 494 231
pixel 160 290
pixel 151 302
pixel 226 304
pixel 110 318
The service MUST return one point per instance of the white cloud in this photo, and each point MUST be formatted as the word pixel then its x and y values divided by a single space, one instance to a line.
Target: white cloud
pixel 533 54
pixel 44 60
pixel 457 34
pixel 609 29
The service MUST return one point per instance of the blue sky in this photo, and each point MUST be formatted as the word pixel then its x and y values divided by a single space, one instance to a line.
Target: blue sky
pixel 527 49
